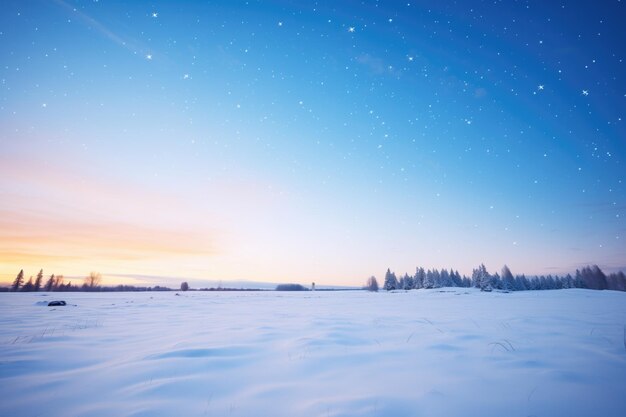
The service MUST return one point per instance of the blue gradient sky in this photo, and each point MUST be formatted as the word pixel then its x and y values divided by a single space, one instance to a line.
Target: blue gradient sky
pixel 299 141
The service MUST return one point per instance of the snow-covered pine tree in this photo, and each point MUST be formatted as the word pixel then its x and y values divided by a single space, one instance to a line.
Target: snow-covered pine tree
pixel 558 282
pixel 420 274
pixel 467 283
pixel 476 278
pixel 437 283
pixel 568 281
pixel 408 282
pixel 578 280
pixel 593 278
pixel 429 279
pixel 391 282
pixel 521 283
pixel 496 281
pixel 481 278
pixel 616 281
pixel 457 281
pixel 444 279
pixel 400 283
pixel 508 281
pixel 535 283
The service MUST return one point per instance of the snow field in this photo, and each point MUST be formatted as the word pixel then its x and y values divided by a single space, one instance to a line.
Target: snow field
pixel 445 352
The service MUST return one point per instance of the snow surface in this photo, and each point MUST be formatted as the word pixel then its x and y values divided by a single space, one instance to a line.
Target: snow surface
pixel 446 352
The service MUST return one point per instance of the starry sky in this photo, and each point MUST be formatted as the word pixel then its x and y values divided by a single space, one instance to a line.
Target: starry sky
pixel 310 141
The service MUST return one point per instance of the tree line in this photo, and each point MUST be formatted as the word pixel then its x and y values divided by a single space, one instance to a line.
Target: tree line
pixel 54 283
pixel 90 283
pixel 590 277
pixel 57 283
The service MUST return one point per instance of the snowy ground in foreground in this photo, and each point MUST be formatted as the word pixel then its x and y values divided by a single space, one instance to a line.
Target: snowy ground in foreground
pixel 450 352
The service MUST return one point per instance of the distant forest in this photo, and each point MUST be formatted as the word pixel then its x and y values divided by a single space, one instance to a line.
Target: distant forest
pixel 590 277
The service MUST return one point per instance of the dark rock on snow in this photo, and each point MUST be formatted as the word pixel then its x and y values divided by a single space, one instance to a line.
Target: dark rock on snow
pixel 56 303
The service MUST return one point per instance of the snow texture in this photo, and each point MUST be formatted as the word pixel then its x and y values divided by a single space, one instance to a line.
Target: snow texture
pixel 445 352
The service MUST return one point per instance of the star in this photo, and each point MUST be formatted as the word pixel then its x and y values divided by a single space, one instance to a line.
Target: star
pixel 280 23
pixel 149 57
pixel 155 14
pixel 541 86
pixel 585 92
pixel 186 76
pixel 351 29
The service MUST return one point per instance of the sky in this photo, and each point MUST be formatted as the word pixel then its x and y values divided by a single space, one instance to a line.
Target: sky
pixel 300 141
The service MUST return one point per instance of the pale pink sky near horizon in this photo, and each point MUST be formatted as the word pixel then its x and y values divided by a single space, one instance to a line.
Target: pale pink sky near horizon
pixel 71 219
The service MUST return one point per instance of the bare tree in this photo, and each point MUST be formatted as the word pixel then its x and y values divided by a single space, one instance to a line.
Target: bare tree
pixel 49 284
pixel 93 280
pixel 372 284
pixel 58 282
